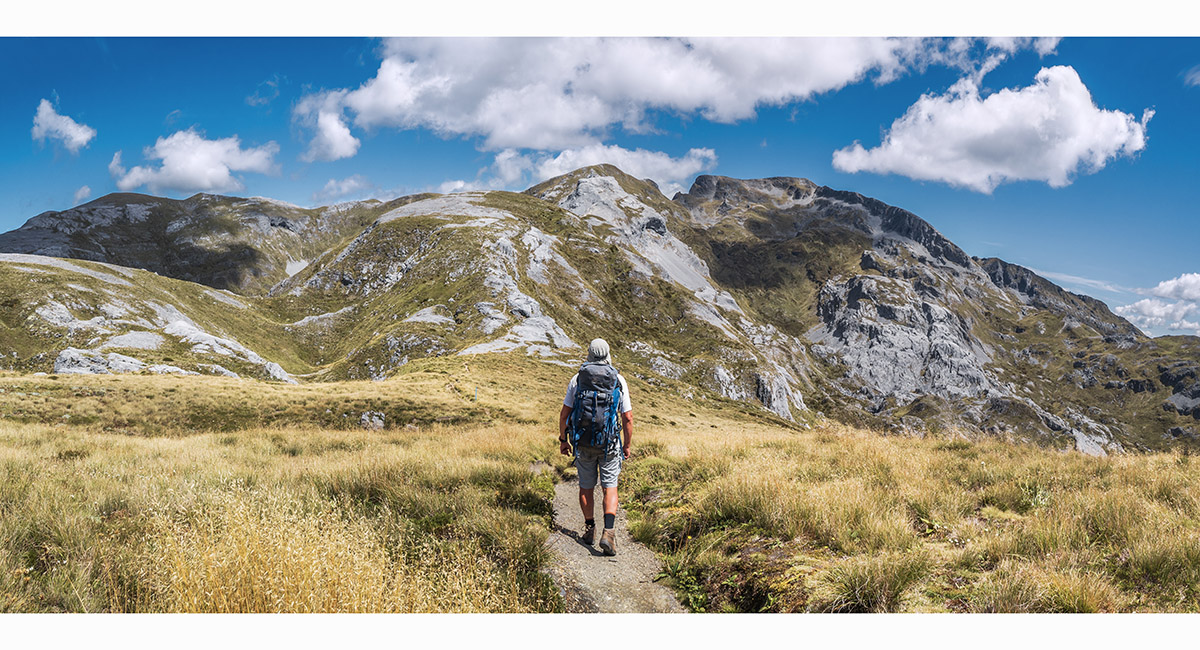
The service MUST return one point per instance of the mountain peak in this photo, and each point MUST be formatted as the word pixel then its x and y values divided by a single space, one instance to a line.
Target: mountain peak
pixel 555 189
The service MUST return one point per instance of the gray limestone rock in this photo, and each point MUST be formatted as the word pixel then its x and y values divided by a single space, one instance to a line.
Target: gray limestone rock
pixel 90 362
pixel 897 344
pixel 372 420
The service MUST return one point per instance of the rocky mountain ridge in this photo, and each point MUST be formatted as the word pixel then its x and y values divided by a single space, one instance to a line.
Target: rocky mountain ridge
pixel 243 244
pixel 807 300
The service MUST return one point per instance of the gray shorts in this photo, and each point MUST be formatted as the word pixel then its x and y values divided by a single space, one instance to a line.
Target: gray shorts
pixel 590 462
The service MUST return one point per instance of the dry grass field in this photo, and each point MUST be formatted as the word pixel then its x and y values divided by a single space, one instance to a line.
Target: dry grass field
pixel 141 493
pixel 271 520
pixel 846 520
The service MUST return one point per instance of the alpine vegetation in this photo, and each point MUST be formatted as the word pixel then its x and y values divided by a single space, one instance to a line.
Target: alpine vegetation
pixel 807 301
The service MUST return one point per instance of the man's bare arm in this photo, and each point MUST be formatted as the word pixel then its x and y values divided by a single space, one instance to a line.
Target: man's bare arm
pixel 564 447
pixel 627 427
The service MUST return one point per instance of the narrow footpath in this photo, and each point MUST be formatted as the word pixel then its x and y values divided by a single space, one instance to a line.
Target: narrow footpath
pixel 592 582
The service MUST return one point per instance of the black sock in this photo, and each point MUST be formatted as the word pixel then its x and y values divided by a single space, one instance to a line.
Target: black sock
pixel 589 522
pixel 609 521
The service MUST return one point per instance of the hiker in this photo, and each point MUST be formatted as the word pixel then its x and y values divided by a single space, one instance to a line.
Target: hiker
pixel 595 412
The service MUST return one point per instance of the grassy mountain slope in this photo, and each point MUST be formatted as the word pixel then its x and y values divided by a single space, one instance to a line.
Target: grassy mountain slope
pixel 50 305
pixel 244 245
pixel 803 299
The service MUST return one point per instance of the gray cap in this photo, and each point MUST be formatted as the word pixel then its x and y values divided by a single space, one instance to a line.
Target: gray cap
pixel 598 350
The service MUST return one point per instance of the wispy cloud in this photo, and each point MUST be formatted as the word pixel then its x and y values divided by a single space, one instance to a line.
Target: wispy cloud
pixel 48 124
pixel 355 185
pixel 1192 76
pixel 82 194
pixel 1076 280
pixel 266 92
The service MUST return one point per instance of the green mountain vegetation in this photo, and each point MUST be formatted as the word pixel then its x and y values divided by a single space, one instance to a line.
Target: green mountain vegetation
pixel 807 301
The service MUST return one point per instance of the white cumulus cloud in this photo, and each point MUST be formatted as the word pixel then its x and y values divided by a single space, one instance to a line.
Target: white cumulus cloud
pixel 351 185
pixel 552 94
pixel 333 140
pixel 1184 287
pixel 1151 313
pixel 459 185
pixel 1047 131
pixel 82 194
pixel 192 163
pixel 1185 325
pixel 49 124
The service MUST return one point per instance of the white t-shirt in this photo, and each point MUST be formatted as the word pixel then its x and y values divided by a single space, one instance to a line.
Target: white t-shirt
pixel 626 405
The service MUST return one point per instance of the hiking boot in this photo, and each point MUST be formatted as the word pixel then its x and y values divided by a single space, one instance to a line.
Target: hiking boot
pixel 608 541
pixel 589 534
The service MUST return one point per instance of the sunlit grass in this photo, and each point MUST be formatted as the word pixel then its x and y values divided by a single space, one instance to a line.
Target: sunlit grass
pixel 865 522
pixel 270 520
pixel 746 514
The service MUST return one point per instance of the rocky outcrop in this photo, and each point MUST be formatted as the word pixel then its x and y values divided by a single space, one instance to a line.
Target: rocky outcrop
pixel 73 361
pixel 1185 402
pixel 896 344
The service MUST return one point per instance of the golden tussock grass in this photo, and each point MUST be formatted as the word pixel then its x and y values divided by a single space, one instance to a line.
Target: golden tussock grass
pixel 273 520
pixel 879 523
pixel 265 553
pixel 747 514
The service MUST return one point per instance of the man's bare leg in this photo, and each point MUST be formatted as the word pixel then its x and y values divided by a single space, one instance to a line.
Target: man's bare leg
pixel 587 502
pixel 610 501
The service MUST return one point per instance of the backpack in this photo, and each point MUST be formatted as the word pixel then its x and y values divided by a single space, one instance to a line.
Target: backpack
pixel 594 419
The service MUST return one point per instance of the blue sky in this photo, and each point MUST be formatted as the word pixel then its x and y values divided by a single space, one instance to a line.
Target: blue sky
pixel 1075 157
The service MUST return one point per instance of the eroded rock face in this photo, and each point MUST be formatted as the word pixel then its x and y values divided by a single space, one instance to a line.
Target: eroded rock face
pixel 903 223
pixel 899 345
pixel 777 395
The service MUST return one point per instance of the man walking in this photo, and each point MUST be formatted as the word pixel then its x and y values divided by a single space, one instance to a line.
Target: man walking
pixel 599 448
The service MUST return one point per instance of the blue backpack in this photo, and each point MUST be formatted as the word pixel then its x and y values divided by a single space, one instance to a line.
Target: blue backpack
pixel 594 419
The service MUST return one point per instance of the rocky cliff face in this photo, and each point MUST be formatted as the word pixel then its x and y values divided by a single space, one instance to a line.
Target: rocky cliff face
pixel 907 331
pixel 801 299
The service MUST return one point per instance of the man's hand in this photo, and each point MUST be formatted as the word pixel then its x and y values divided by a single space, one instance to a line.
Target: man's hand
pixel 564 414
pixel 625 451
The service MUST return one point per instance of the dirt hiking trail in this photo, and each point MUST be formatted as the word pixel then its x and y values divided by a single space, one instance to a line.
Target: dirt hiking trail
pixel 591 582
